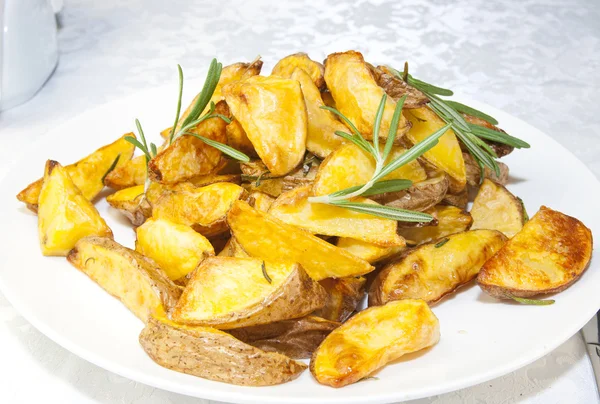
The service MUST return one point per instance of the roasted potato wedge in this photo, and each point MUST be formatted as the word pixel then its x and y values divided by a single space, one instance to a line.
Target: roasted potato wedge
pixel 131 203
pixel 321 139
pixel 176 248
pixel 127 175
pixel 550 253
pixel 369 252
pixel 233 249
pixel 497 209
pixel 297 338
pixel 237 138
pixel 357 94
pixel 396 88
pixel 293 208
pixel 127 275
pixel 446 155
pixel 272 112
pixel 228 292
pixel 343 297
pixel 88 173
pixel 215 355
pixel 349 166
pixel 474 172
pixel 188 157
pixel 300 61
pixel 204 209
pixel 431 271
pixel 420 196
pixel 261 235
pixel 450 220
pixel 373 338
pixel 260 201
pixel 65 215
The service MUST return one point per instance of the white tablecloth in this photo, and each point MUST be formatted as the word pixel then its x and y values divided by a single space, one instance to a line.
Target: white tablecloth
pixel 537 59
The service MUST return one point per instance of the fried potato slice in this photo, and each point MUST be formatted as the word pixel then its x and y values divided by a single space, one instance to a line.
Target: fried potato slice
pixel 293 208
pixel 233 249
pixel 497 209
pixel 127 275
pixel 238 139
pixel 297 338
pixel 474 172
pixel 188 157
pixel 373 338
pixel 215 355
pixel 228 292
pixel 550 253
pixel 357 95
pixel 262 235
pixel 204 209
pixel 446 155
pixel 300 61
pixel 321 139
pixel 272 112
pixel 127 175
pixel 131 203
pixel 396 88
pixel 65 215
pixel 420 196
pixel 176 248
pixel 343 297
pixel 349 166
pixel 431 271
pixel 87 174
pixel 450 220
pixel 369 252
pixel 260 201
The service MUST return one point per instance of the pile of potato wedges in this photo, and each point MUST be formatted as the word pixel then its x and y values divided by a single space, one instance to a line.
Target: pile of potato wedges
pixel 238 277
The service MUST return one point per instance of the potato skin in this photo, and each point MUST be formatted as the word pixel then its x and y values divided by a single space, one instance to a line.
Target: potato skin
pixel 343 297
pixel 373 338
pixel 215 355
pixel 560 244
pixel 296 338
pixel 420 196
pixel 397 88
pixel 429 273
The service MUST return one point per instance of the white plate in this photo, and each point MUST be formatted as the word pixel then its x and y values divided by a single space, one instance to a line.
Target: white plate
pixel 481 337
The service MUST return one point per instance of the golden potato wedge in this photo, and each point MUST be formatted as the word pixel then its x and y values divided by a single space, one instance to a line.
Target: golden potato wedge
pixel 300 61
pixel 450 220
pixel 188 157
pixel 272 112
pixel 431 271
pixel 261 235
pixel 65 215
pixel 497 209
pixel 349 166
pixel 215 355
pixel 237 138
pixel 131 203
pixel 420 196
pixel 474 172
pixel 229 292
pixel 130 174
pixel 233 249
pixel 550 253
pixel 369 252
pixel 373 338
pixel 446 155
pixel 343 297
pixel 88 173
pixel 396 88
pixel 357 95
pixel 297 338
pixel 204 209
pixel 321 139
pixel 176 248
pixel 127 275
pixel 293 208
pixel 260 201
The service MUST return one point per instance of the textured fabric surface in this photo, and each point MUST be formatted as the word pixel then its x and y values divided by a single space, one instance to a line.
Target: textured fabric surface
pixel 536 59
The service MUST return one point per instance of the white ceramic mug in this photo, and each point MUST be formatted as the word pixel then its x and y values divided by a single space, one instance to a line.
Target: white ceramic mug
pixel 28 49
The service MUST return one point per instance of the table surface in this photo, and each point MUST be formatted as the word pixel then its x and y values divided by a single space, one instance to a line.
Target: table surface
pixel 537 59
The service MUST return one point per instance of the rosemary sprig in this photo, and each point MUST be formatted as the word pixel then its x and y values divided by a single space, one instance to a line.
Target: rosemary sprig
pixel 149 153
pixel 265 274
pixel 471 135
pixel 376 185
pixel 112 167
